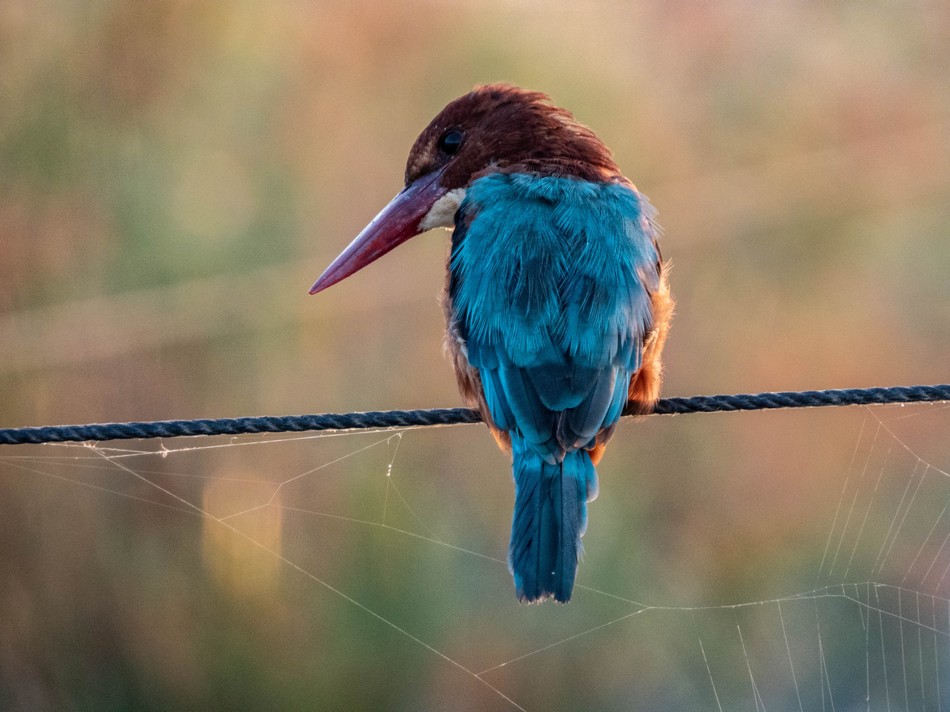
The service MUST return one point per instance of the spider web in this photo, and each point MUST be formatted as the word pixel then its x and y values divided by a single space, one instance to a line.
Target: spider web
pixel 396 572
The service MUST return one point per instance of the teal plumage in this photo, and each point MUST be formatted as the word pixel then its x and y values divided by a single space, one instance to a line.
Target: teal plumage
pixel 549 288
pixel 557 303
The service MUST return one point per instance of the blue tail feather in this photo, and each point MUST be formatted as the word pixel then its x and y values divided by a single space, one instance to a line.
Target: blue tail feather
pixel 550 517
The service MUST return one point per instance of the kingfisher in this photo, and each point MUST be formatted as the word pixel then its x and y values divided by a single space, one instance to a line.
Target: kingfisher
pixel 556 301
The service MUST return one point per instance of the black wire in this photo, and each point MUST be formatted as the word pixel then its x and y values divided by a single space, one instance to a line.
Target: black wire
pixel 452 416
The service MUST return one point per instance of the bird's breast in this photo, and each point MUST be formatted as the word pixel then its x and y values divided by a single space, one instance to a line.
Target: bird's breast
pixel 442 212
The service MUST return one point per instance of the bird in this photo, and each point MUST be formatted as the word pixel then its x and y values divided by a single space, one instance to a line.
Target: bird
pixel 557 301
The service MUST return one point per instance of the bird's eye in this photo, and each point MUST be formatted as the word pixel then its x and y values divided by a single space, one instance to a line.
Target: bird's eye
pixel 450 142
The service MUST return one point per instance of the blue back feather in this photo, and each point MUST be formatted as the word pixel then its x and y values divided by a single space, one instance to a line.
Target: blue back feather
pixel 550 282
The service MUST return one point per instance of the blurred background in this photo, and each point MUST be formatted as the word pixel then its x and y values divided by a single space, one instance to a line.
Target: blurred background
pixel 174 175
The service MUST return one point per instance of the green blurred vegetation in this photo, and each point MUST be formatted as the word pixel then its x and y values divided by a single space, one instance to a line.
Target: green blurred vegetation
pixel 174 174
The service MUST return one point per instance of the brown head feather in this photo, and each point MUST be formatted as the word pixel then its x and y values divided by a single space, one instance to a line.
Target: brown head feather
pixel 509 130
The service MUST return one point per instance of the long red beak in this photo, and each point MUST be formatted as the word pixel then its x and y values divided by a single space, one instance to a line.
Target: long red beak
pixel 395 224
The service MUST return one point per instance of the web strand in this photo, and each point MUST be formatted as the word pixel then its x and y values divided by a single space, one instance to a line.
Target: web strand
pixel 884 562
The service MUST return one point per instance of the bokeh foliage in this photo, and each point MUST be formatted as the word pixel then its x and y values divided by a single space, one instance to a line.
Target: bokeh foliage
pixel 174 174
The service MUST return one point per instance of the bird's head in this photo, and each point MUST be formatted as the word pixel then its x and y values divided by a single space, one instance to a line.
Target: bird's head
pixel 497 128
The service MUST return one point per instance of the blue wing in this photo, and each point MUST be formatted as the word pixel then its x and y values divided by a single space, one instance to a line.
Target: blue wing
pixel 549 287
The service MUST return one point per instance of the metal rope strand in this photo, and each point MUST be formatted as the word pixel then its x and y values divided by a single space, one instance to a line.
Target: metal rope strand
pixel 453 416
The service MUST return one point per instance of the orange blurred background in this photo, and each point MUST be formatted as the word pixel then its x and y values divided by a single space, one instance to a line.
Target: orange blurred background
pixel 174 175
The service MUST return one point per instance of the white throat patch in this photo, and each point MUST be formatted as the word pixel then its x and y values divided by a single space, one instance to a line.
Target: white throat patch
pixel 442 212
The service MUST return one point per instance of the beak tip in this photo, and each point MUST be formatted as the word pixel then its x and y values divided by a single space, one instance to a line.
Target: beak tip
pixel 330 277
